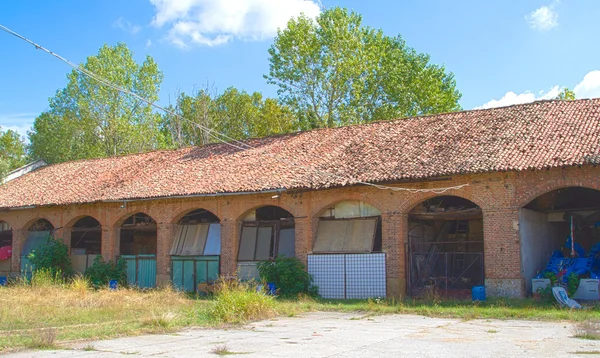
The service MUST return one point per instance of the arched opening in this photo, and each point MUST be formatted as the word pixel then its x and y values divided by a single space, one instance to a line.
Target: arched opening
pixel 138 247
pixel 86 243
pixel 560 235
pixel 347 262
pixel 445 247
pixel 267 232
pixel 196 250
pixel 6 235
pixel 37 234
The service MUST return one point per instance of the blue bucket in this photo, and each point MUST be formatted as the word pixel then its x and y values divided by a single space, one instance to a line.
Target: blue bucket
pixel 3 280
pixel 113 284
pixel 478 293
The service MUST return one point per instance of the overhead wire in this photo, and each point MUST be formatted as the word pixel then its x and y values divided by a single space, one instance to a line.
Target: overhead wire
pixel 221 137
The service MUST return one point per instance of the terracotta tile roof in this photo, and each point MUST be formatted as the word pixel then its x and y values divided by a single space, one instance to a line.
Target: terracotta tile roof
pixel 530 136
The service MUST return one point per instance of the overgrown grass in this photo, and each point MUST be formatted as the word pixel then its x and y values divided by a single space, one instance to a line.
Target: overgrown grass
pixel 589 329
pixel 238 302
pixel 46 312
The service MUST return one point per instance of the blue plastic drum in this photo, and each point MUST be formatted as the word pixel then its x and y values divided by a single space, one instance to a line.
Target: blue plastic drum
pixel 478 293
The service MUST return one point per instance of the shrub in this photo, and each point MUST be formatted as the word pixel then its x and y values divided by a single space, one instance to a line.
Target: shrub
pixel 46 278
pixel 53 255
pixel 289 276
pixel 239 302
pixel 103 271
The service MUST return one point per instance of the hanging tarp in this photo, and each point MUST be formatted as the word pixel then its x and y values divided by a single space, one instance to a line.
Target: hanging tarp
pixel 141 270
pixel 197 240
pixel 345 235
pixel 35 239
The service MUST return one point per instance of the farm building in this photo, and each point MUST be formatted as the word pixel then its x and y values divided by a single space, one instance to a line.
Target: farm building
pixel 516 177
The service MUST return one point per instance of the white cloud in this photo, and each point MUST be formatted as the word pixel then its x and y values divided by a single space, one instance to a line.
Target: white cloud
pixel 126 26
pixel 148 43
pixel 543 19
pixel 215 22
pixel 18 122
pixel 511 98
pixel 590 86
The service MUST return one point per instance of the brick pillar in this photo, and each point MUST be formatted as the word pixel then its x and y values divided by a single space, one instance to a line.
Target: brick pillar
pixel 304 231
pixel 502 253
pixel 66 237
pixel 230 232
pixel 107 244
pixel 165 234
pixel 18 240
pixel 394 235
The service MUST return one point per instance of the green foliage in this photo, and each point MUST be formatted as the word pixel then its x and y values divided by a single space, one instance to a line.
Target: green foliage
pixel 566 94
pixel 335 71
pixel 289 276
pixel 12 152
pixel 572 283
pixel 52 256
pixel 101 272
pixel 87 119
pixel 234 113
pixel 46 278
pixel 239 302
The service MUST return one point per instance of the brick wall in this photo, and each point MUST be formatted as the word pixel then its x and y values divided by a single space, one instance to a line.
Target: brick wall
pixel 500 195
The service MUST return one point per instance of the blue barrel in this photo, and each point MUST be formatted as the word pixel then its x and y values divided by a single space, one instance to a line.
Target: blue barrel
pixel 478 293
pixel 113 284
pixel 3 280
pixel 272 289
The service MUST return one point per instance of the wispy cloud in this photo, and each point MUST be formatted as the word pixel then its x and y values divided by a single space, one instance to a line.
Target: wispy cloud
pixel 216 22
pixel 18 122
pixel 544 18
pixel 589 87
pixel 126 26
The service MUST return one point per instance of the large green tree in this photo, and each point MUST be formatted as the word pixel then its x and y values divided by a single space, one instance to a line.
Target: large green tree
pixel 12 151
pixel 235 113
pixel 333 70
pixel 87 119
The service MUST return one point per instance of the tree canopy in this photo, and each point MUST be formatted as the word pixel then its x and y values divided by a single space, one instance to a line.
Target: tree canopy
pixel 88 120
pixel 334 71
pixel 566 94
pixel 12 152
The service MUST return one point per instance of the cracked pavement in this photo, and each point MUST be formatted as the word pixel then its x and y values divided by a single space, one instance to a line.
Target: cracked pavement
pixel 326 334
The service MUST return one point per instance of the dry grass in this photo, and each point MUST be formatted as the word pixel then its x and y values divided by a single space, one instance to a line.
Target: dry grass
pixel 74 312
pixel 237 302
pixel 589 329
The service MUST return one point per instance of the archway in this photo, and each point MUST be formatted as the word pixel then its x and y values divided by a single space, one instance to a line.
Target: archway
pixel 196 250
pixel 86 242
pixel 37 234
pixel 546 225
pixel 6 236
pixel 138 247
pixel 347 260
pixel 445 247
pixel 267 232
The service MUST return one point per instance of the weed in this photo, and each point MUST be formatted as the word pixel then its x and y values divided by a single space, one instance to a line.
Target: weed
pixel 589 329
pixel 239 302
pixel 89 348
pixel 492 331
pixel 222 350
pixel 43 338
pixel 79 284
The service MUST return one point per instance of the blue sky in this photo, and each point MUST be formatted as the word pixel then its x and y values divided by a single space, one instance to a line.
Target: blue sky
pixel 501 52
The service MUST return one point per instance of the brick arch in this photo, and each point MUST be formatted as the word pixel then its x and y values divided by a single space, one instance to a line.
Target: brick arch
pixel 320 210
pixel 282 205
pixel 411 204
pixel 181 213
pixel 72 221
pixel 119 222
pixel 548 187
pixel 30 222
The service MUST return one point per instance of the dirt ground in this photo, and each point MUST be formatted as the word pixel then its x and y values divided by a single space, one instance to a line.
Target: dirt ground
pixel 351 335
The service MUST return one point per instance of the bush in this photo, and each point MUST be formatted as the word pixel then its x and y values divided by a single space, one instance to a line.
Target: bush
pixel 101 272
pixel 289 276
pixel 239 302
pixel 52 256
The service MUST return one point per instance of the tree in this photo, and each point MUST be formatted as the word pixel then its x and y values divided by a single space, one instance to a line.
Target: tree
pixel 333 71
pixel 87 119
pixel 235 113
pixel 12 152
pixel 566 94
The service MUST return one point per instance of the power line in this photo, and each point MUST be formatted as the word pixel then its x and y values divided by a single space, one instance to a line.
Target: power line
pixel 215 134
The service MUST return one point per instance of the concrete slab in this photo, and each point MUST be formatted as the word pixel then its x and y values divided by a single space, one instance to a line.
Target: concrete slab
pixel 352 335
